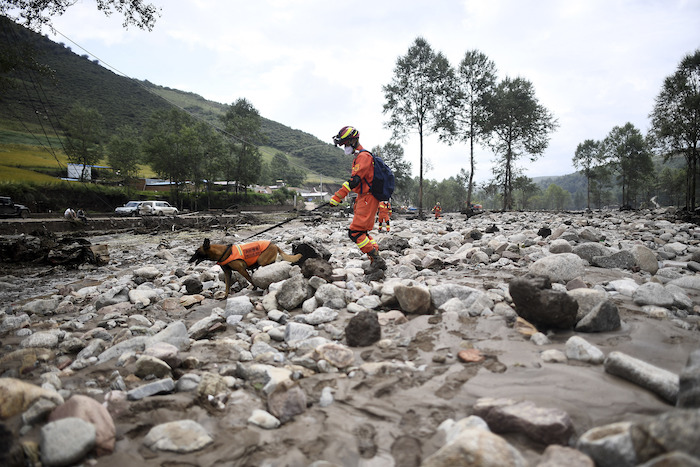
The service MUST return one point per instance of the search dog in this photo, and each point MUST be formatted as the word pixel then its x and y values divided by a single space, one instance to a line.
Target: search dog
pixel 241 258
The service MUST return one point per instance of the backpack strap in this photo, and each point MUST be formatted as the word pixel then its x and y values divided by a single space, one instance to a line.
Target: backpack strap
pixel 369 187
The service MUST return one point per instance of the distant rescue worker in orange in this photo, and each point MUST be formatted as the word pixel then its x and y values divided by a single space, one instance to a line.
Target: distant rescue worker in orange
pixel 437 210
pixel 384 214
pixel 366 205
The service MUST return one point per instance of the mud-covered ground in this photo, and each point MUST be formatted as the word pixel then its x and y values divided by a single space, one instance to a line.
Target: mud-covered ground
pixel 391 416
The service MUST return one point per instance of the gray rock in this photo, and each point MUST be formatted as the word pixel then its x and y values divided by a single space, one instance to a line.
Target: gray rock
pixel 609 445
pixel 135 344
pixel 657 380
pixel 293 292
pixel 414 299
pixel 275 272
pixel 298 332
pixel 200 329
pixel 66 441
pixel 175 334
pixel 621 259
pixel 674 431
pixel 238 306
pixel 645 259
pixel 148 272
pixel 320 315
pixel 147 365
pixel 558 268
pixel 680 298
pixel 687 282
pixel 578 348
pixel 543 425
pixel 363 329
pixel 41 307
pixel 180 436
pixel 46 340
pixel 588 251
pixel 652 293
pixel 476 447
pixel 604 317
pixel 330 294
pixel 440 294
pixel 541 306
pixel 587 299
pixel 689 382
pixel 560 246
pixel 163 386
pixel 286 402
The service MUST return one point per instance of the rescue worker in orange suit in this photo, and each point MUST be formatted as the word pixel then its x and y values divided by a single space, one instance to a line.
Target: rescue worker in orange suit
pixel 384 214
pixel 437 210
pixel 366 205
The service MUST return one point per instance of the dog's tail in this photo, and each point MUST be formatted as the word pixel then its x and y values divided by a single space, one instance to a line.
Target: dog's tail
pixel 290 258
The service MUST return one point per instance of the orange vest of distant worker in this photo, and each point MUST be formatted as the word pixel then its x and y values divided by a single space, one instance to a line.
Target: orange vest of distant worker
pixel 384 213
pixel 248 252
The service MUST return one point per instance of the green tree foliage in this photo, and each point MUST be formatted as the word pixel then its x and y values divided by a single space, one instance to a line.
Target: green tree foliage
pixel 524 188
pixel 675 120
pixel 419 97
pixel 280 169
pixel 166 145
pixel 517 125
pixel 586 158
pixel 84 130
pixel 243 123
pixel 124 151
pixel 557 198
pixel 211 157
pixel 476 80
pixel 672 186
pixel 627 153
pixel 35 13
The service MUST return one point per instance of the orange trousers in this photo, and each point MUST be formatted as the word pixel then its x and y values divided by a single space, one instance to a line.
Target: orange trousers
pixel 365 210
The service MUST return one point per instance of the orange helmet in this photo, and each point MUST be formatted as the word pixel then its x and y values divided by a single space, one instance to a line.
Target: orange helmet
pixel 345 134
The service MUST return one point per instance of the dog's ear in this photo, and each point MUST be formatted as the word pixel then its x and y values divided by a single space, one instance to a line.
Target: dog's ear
pixel 206 244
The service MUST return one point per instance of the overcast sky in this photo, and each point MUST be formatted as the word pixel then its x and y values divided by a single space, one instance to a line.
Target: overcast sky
pixel 317 65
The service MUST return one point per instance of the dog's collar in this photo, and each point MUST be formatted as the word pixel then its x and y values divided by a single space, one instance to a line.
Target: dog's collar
pixel 225 254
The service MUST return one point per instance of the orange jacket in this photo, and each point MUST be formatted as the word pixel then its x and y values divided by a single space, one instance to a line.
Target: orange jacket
pixel 363 168
pixel 384 209
pixel 248 252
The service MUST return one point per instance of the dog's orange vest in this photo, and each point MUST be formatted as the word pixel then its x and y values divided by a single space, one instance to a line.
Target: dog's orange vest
pixel 248 252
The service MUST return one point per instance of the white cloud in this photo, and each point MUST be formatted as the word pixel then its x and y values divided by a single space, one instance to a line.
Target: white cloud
pixel 316 65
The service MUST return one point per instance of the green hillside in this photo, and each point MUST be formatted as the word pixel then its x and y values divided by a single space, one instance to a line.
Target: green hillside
pixel 35 96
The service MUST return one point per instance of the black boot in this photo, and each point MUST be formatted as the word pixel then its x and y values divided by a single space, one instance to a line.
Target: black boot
pixel 376 261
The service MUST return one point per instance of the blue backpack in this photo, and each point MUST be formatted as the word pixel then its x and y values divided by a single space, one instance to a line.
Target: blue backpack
pixel 383 182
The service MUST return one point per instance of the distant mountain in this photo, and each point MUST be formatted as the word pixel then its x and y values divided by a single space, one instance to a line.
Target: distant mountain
pixel 31 98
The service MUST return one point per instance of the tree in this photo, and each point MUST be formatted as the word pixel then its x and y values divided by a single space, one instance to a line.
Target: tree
pixel 244 125
pixel 213 157
pixel 556 197
pixel 587 157
pixel 627 153
pixel 476 80
pixel 166 147
pixel 516 124
pixel 419 97
pixel 675 120
pixel 84 129
pixel 36 13
pixel 124 151
pixel 527 188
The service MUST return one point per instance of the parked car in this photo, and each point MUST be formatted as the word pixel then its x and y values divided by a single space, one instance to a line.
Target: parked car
pixel 157 208
pixel 129 209
pixel 10 209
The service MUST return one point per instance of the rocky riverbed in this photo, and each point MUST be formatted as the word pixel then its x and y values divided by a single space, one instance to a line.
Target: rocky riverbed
pixel 535 339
